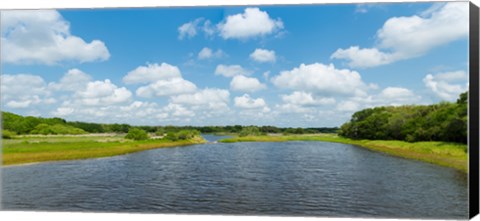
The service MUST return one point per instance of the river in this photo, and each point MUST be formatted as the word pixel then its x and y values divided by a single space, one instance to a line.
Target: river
pixel 297 178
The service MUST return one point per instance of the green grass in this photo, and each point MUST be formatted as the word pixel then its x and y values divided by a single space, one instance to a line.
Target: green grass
pixel 441 153
pixel 30 149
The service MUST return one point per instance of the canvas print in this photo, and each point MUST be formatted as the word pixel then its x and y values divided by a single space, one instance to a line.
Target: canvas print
pixel 324 110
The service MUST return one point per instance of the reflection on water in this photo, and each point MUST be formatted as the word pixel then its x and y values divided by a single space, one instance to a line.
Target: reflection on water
pixel 291 178
pixel 213 138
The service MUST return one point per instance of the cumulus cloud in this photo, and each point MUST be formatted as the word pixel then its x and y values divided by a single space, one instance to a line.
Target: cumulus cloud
pixel 152 73
pixel 103 93
pixel 302 102
pixel 321 79
pixel 408 37
pixel 73 80
pixel 252 23
pixel 348 106
pixel 364 57
pixel 24 90
pixel 177 110
pixel 397 96
pixel 246 84
pixel 390 96
pixel 166 88
pixel 263 55
pixel 134 112
pixel 306 99
pixel 246 102
pixel 230 70
pixel 43 37
pixel 161 80
pixel 207 98
pixel 207 53
pixel 448 85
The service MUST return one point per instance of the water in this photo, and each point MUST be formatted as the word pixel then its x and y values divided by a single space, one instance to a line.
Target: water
pixel 291 178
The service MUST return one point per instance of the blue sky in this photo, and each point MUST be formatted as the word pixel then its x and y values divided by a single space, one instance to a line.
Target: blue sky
pixel 299 66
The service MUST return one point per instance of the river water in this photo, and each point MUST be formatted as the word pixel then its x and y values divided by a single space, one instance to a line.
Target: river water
pixel 297 178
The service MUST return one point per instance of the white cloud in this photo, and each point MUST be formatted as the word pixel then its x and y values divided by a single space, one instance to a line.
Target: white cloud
pixel 251 23
pixel 23 90
pixel 166 88
pixel 63 111
pixel 208 28
pixel 390 96
pixel 303 102
pixel 152 73
pixel 408 37
pixel 24 103
pixel 103 93
pixel 207 53
pixel 447 85
pixel 135 112
pixel 230 70
pixel 365 7
pixel 348 106
pixel 321 79
pixel 363 57
pixel 43 37
pixel 246 84
pixel 263 55
pixel 206 98
pixel 189 29
pixel 397 96
pixel 306 99
pixel 73 80
pixel 245 101
pixel 163 80
pixel 177 110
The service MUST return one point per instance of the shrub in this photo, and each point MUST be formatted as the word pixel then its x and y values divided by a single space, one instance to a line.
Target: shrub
pixel 6 134
pixel 56 129
pixel 171 136
pixel 136 134
pixel 187 134
pixel 182 135
pixel 160 132
pixel 250 131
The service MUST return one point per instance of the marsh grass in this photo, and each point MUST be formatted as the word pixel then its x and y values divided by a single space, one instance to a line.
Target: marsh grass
pixel 30 149
pixel 441 153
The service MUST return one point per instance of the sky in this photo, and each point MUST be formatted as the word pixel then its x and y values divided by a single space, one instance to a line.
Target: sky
pixel 287 66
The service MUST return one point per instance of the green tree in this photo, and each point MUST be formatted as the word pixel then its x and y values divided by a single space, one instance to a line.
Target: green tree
pixel 250 131
pixel 6 134
pixel 440 122
pixel 137 134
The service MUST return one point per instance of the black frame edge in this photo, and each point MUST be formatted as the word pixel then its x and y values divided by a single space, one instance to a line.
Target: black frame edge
pixel 473 115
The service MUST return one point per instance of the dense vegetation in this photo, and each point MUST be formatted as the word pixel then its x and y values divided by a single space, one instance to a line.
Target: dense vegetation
pixel 438 122
pixel 136 134
pixel 15 124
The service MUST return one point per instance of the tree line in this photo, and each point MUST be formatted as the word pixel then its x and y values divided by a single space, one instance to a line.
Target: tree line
pixel 17 124
pixel 444 121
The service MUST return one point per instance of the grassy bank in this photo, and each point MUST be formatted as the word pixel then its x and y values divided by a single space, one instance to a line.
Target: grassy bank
pixel 441 153
pixel 30 149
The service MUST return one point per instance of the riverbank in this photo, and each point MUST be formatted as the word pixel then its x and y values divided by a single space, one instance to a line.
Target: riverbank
pixel 33 149
pixel 452 155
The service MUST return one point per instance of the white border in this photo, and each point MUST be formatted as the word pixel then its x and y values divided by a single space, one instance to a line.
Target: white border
pixel 58 4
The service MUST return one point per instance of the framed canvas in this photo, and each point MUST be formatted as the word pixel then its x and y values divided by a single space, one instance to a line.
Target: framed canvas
pixel 266 109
